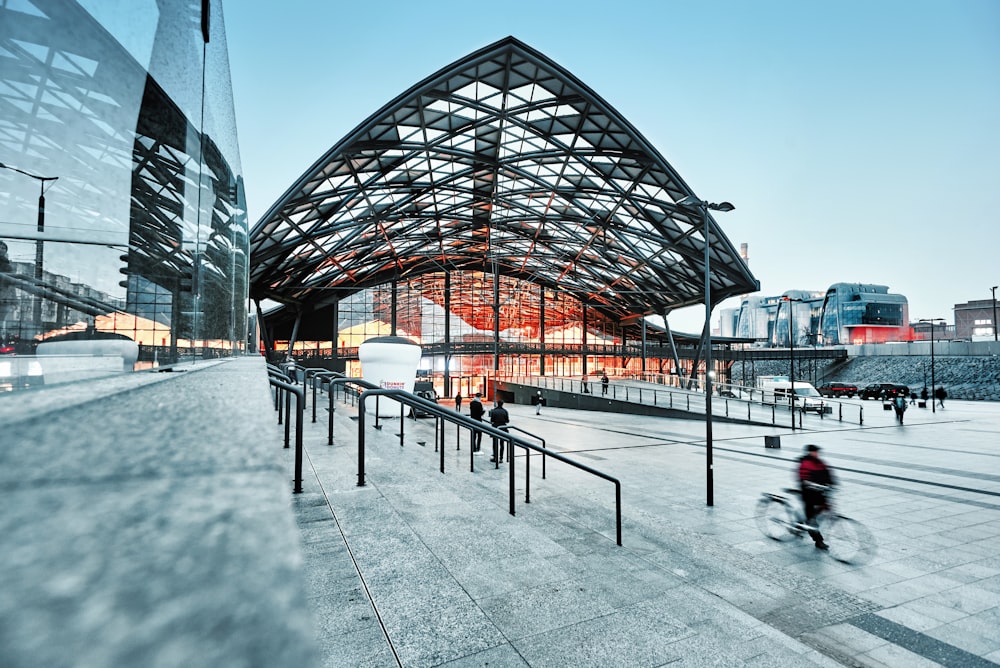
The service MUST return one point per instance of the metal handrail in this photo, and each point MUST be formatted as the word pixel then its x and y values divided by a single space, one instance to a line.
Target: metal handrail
pixel 326 376
pixel 313 374
pixel 624 392
pixel 451 416
pixel 300 396
pixel 275 372
pixel 344 381
pixel 527 462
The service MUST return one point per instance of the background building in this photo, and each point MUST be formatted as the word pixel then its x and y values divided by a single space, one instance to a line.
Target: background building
pixel 976 319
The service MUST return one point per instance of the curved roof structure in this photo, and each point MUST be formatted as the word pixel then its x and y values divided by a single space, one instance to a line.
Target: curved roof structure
pixel 503 160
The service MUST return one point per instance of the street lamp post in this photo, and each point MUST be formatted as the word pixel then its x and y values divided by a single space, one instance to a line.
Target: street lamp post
pixel 994 291
pixel 791 357
pixel 39 243
pixel 702 207
pixel 932 322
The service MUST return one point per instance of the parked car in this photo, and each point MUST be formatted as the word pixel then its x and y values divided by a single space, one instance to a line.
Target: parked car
pixel 837 390
pixel 807 399
pixel 424 390
pixel 884 391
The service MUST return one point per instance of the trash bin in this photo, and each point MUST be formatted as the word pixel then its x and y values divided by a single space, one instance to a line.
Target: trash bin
pixel 772 441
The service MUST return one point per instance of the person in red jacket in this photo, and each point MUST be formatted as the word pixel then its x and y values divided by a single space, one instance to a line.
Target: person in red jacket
pixel 815 478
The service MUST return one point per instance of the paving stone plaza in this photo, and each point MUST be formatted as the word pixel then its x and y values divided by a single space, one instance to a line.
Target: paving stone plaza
pixel 184 544
pixel 427 569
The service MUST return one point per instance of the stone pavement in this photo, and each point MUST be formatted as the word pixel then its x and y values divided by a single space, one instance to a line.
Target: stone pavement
pixel 145 522
pixel 148 520
pixel 420 568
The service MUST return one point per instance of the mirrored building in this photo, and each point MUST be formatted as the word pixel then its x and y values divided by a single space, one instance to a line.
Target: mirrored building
pixel 857 313
pixel 796 319
pixel 123 233
pixel 846 314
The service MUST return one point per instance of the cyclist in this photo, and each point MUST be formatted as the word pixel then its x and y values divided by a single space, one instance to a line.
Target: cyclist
pixel 815 478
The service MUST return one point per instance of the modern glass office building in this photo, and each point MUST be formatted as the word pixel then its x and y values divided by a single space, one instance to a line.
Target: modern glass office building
pixel 123 233
pixel 847 313
pixel 856 313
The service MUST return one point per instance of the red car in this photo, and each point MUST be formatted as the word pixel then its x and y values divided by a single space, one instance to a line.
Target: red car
pixel 837 390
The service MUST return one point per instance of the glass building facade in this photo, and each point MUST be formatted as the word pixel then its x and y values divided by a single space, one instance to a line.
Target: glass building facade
pixel 123 233
pixel 857 313
pixel 846 314
pixel 756 318
pixel 798 311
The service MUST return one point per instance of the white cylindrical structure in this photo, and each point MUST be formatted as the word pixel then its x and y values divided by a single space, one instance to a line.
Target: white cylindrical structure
pixel 390 362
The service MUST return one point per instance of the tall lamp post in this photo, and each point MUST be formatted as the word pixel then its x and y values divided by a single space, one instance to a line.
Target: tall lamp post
pixel 994 291
pixel 932 321
pixel 702 207
pixel 791 356
pixel 39 243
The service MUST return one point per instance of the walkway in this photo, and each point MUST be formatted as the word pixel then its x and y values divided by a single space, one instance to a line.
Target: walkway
pixel 423 569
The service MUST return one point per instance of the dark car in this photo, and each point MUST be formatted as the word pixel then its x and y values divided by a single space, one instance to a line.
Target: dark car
pixel 837 390
pixel 424 390
pixel 884 391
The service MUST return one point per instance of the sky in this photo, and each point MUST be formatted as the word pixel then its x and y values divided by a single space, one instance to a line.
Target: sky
pixel 859 140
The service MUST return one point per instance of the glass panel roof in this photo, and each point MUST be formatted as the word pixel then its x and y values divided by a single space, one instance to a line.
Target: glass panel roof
pixel 501 159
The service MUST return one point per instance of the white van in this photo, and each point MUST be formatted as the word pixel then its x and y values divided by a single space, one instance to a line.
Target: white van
pixel 807 398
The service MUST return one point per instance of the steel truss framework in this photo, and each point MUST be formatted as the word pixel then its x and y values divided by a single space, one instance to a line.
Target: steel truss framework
pixel 504 163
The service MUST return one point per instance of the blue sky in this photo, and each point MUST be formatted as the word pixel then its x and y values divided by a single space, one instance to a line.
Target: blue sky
pixel 858 140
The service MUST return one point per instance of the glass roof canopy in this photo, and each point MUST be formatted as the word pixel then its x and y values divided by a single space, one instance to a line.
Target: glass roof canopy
pixel 502 161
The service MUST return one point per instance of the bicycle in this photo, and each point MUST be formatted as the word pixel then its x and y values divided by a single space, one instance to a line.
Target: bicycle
pixel 781 519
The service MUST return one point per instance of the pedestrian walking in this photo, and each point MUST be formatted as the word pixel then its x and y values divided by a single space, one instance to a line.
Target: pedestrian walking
pixel 604 382
pixel 499 418
pixel 899 405
pixel 584 385
pixel 940 394
pixel 458 402
pixel 476 412
pixel 539 400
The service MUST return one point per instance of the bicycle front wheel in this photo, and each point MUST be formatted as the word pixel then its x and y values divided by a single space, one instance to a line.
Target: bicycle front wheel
pixel 849 540
pixel 774 518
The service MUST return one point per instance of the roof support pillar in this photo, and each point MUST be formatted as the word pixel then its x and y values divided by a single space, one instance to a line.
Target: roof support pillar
pixel 642 327
pixel 395 304
pixel 584 338
pixel 262 328
pixel 496 319
pixel 295 335
pixel 447 333
pixel 335 335
pixel 705 334
pixel 621 335
pixel 673 346
pixel 541 329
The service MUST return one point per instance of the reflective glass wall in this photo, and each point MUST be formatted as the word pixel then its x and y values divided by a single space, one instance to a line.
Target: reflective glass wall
pixel 858 313
pixel 123 233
